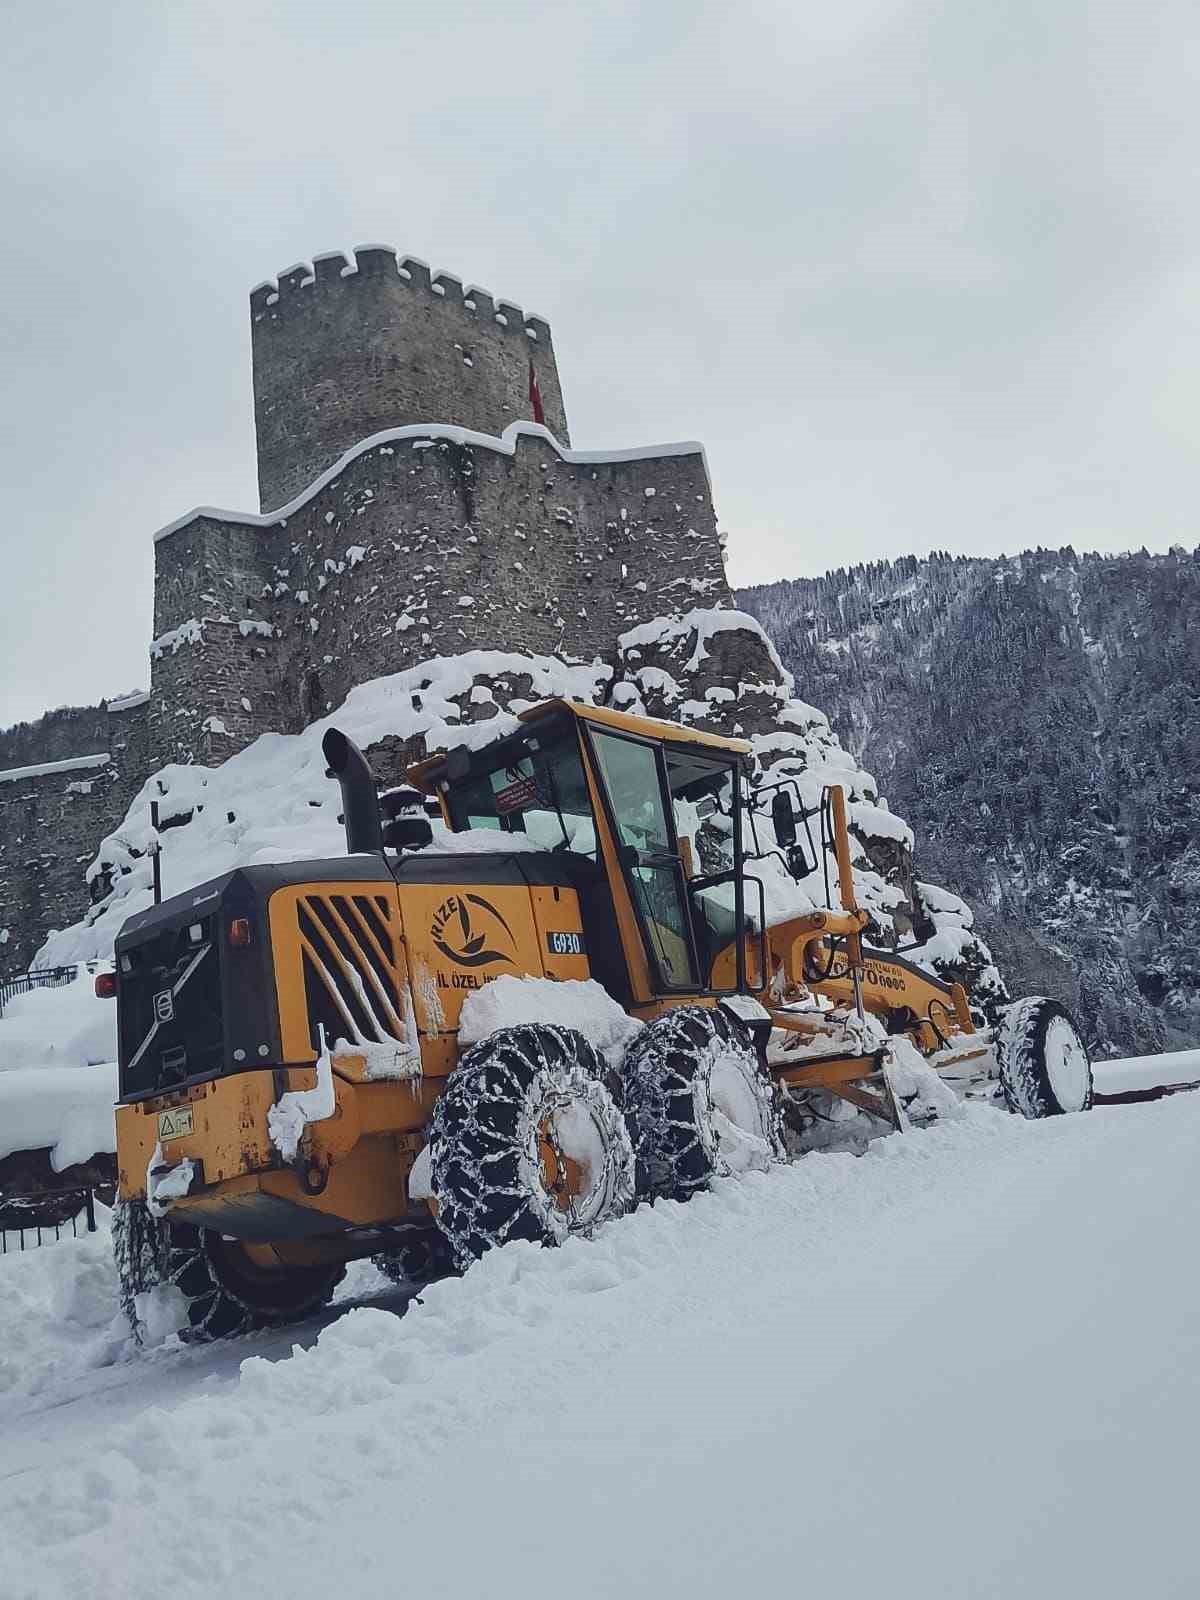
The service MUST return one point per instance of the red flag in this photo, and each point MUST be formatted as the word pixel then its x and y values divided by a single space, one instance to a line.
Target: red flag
pixel 535 398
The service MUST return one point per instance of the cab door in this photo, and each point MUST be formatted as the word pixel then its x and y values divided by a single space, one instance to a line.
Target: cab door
pixel 632 777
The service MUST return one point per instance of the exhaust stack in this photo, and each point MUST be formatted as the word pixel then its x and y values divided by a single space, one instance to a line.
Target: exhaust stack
pixel 360 802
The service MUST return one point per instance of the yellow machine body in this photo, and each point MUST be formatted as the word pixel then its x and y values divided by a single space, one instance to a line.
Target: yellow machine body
pixel 376 958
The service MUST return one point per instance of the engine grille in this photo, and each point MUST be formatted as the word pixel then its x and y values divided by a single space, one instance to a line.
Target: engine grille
pixel 353 987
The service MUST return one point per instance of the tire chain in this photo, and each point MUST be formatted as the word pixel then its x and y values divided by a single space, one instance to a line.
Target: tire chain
pixel 484 1159
pixel 660 1074
pixel 150 1254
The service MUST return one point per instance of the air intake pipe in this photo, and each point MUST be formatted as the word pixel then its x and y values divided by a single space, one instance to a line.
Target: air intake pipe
pixel 360 802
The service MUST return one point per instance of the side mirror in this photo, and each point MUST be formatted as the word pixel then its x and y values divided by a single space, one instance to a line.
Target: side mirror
pixel 407 833
pixel 783 818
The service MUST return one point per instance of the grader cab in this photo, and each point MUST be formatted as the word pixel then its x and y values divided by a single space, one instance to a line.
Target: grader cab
pixel 293 1093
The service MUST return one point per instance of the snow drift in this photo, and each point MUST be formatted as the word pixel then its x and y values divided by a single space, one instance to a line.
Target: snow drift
pixel 961 1365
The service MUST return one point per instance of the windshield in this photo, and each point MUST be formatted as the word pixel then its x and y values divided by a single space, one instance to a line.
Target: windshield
pixel 537 788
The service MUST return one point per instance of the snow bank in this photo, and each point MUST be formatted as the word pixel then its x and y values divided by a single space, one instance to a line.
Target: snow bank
pixel 942 903
pixel 58 1075
pixel 582 1005
pixel 64 1338
pixel 998 1271
pixel 69 1113
pixel 67 1026
pixel 59 1310
pixel 1136 1073
pixel 64 1026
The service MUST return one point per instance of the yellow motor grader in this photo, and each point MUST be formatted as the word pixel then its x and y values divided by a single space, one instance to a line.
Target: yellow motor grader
pixel 293 1090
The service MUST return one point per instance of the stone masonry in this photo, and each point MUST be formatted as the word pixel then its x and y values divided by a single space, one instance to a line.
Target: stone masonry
pixel 345 347
pixel 420 546
pixel 67 780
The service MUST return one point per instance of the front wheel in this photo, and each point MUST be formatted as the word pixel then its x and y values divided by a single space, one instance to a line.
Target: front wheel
pixel 699 1103
pixel 526 1142
pixel 1043 1062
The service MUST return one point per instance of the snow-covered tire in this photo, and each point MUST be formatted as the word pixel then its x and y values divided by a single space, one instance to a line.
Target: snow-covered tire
pixel 1043 1062
pixel 698 1101
pixel 221 1291
pixel 517 1100
pixel 420 1259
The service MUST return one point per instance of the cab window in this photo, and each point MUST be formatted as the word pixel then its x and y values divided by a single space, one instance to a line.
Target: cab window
pixel 537 788
pixel 634 783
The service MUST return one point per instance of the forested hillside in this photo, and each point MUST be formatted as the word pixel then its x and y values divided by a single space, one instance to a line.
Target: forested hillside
pixel 1037 721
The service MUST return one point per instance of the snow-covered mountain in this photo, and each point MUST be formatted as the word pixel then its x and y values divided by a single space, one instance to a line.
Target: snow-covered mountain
pixel 1037 721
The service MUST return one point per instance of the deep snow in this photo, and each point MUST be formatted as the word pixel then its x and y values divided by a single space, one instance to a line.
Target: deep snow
pixel 962 1365
pixel 58 1075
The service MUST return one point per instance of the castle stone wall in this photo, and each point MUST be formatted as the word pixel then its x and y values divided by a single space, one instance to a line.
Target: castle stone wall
pixel 355 345
pixel 422 546
pixel 217 567
pixel 51 822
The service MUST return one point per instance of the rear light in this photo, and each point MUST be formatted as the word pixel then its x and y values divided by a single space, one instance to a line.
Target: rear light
pixel 239 932
pixel 106 985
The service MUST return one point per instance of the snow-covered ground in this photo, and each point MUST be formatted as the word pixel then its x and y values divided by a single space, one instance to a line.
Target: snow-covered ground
pixel 961 1365
pixel 58 1074
pixel 1143 1074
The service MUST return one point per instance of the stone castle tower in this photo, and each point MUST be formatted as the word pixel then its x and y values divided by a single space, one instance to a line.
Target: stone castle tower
pixel 346 348
pixel 412 506
pixel 414 509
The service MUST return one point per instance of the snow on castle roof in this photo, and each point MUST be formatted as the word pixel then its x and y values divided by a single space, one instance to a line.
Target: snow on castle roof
pixel 505 445
pixel 11 774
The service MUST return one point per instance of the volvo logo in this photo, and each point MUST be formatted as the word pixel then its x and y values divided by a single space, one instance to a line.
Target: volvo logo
pixel 164 1006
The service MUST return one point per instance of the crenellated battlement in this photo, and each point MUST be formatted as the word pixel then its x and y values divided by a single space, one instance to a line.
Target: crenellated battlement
pixel 348 346
pixel 274 296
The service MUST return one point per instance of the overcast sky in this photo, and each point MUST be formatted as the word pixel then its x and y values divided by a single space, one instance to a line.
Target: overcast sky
pixel 919 275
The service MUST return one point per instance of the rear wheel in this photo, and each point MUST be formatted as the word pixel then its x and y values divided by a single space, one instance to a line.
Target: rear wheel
pixel 1043 1062
pixel 526 1142
pixel 699 1103
pixel 213 1286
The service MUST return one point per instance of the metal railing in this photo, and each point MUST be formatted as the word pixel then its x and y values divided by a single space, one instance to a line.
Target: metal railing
pixel 47 978
pixel 16 1235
